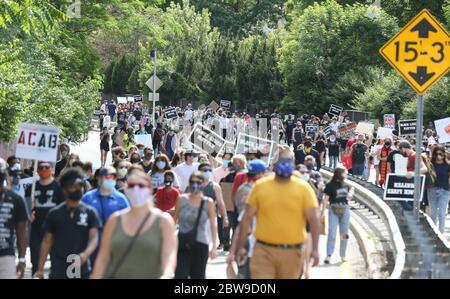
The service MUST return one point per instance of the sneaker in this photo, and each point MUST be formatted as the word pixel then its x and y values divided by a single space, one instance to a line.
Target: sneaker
pixel 343 259
pixel 226 247
pixel 220 246
pixel 327 260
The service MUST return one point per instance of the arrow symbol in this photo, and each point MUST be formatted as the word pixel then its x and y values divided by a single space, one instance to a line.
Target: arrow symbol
pixel 421 76
pixel 424 27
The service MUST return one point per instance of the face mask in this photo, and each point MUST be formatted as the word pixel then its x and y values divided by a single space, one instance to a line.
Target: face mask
pixel 135 160
pixel 207 175
pixel 161 165
pixel 168 183
pixel 310 166
pixel 148 157
pixel 138 197
pixel 45 173
pixel 75 195
pixel 332 139
pixel 109 184
pixel 195 188
pixel 305 177
pixel 226 163
pixel 284 168
pixel 122 172
pixel 141 152
pixel 388 144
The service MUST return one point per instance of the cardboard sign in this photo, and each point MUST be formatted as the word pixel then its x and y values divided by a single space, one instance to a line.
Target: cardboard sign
pixel 335 110
pixel 122 100
pixel 389 121
pixel 206 140
pixel 407 127
pixel 384 132
pixel 225 104
pixel 443 129
pixel 171 113
pixel 213 105
pixel 347 131
pixel 37 142
pixel 365 128
pixel 144 139
pixel 252 144
pixel 398 187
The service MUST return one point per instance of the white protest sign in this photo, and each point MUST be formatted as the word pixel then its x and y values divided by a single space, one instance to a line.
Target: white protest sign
pixel 144 139
pixel 389 121
pixel 254 145
pixel 23 185
pixel 37 142
pixel 130 99
pixel 443 129
pixel 122 100
pixel 206 140
pixel 365 128
pixel 384 132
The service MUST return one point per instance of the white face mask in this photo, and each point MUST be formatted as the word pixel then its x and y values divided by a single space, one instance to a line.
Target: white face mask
pixel 138 197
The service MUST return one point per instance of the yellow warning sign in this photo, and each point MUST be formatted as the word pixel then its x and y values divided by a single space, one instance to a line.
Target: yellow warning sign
pixel 420 52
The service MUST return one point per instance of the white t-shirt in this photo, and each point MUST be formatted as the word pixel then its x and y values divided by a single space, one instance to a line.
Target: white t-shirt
pixel 401 164
pixel 184 171
pixel 188 114
pixel 334 127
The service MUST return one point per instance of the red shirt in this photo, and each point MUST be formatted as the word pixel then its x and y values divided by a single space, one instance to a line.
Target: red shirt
pixel 166 200
pixel 411 162
pixel 239 179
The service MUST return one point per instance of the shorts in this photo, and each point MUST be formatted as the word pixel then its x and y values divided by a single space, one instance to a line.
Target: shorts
pixel 358 169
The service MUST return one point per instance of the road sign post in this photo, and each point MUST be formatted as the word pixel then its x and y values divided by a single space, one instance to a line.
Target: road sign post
pixel 154 89
pixel 419 52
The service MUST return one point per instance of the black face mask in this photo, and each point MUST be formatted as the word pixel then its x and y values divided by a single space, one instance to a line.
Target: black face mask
pixel 135 160
pixel 75 195
pixel 388 144
pixel 168 183
pixel 148 157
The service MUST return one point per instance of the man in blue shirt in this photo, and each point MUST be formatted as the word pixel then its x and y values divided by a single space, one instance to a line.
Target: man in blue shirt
pixel 112 109
pixel 105 199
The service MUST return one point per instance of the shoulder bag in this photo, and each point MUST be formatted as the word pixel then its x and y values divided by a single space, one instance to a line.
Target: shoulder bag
pixel 186 241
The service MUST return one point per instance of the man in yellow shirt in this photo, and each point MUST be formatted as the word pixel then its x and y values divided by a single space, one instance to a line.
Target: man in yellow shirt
pixel 282 204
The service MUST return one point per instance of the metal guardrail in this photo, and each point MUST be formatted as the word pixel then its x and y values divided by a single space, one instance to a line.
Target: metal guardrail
pixel 384 212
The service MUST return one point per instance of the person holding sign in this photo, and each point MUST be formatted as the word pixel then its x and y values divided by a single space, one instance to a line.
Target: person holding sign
pixel 13 220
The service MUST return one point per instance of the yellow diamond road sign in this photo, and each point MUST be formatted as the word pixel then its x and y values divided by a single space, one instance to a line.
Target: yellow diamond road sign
pixel 420 52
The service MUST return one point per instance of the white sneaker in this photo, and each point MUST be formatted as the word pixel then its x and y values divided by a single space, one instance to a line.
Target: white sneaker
pixel 327 260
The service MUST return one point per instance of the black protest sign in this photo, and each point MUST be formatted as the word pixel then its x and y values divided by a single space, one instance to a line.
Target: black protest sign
pixel 335 110
pixel 138 99
pixel 311 130
pixel 171 113
pixel 225 104
pixel 327 131
pixel 398 187
pixel 407 127
pixel 206 140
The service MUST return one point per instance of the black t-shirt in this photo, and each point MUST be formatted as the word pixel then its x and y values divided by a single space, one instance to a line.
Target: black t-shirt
pixel 337 192
pixel 290 124
pixel 137 114
pixel 12 211
pixel 146 168
pixel 60 166
pixel 391 159
pixel 45 198
pixel 70 229
pixel 359 153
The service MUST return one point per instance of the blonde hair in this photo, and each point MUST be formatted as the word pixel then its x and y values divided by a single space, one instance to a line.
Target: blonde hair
pixel 241 158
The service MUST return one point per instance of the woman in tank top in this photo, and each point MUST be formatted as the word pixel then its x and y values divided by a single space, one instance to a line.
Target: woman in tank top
pixel 153 254
pixel 192 263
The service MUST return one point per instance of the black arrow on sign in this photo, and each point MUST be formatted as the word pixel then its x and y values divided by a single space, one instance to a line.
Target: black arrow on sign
pixel 424 27
pixel 421 76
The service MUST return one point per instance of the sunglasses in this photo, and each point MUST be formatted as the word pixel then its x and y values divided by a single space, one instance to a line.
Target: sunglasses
pixel 195 182
pixel 131 185
pixel 44 167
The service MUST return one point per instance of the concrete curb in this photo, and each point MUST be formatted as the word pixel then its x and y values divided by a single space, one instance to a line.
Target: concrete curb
pixel 366 246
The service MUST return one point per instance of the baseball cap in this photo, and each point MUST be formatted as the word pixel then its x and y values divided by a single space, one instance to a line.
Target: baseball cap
pixel 71 176
pixel 107 171
pixel 256 166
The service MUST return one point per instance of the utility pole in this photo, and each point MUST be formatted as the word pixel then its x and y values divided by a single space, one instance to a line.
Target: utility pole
pixel 153 55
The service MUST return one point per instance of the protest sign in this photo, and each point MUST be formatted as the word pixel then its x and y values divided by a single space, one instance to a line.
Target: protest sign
pixel 335 110
pixel 138 99
pixel 443 129
pixel 130 99
pixel 225 104
pixel 398 187
pixel 171 113
pixel 311 130
pixel 144 139
pixel 347 131
pixel 365 128
pixel 327 131
pixel 389 121
pixel 251 144
pixel 37 142
pixel 407 127
pixel 122 100
pixel 213 105
pixel 206 140
pixel 384 132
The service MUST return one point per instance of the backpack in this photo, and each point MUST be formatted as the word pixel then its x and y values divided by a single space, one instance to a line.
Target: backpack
pixel 358 153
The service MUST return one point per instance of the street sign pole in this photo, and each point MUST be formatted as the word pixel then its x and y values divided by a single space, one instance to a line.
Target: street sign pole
pixel 154 89
pixel 419 125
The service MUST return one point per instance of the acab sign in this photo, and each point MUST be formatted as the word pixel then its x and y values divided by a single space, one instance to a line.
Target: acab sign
pixel 37 142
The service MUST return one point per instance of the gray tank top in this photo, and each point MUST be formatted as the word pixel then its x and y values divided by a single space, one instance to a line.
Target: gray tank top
pixel 144 259
pixel 209 191
pixel 187 217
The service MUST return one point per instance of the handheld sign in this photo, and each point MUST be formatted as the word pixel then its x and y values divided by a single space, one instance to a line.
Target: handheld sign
pixel 213 105
pixel 327 131
pixel 171 113
pixel 365 128
pixel 138 99
pixel 121 100
pixel 398 187
pixel 311 130
pixel 225 104
pixel 420 51
pixel 443 129
pixel 254 145
pixel 347 131
pixel 206 140
pixel 335 110
pixel 407 127
pixel 389 121
pixel 383 132
pixel 37 142
pixel 144 139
